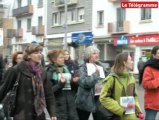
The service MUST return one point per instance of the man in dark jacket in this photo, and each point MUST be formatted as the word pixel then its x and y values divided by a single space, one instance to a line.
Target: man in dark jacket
pixel 140 65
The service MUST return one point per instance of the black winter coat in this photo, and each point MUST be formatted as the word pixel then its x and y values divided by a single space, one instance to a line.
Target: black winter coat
pixel 25 97
pixel 65 99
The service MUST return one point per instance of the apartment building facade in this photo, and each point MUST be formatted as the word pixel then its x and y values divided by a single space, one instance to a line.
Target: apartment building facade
pixel 124 30
pixel 6 28
pixel 29 23
pixel 79 20
pixel 114 29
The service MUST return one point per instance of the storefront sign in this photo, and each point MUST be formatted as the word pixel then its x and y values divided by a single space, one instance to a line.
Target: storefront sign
pixel 121 41
pixel 83 38
pixel 144 40
pixel 137 40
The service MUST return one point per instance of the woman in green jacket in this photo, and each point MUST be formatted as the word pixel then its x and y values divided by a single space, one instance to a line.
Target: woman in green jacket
pixel 124 90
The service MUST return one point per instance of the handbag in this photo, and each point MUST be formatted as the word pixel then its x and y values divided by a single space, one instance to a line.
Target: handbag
pixel 10 98
pixel 104 112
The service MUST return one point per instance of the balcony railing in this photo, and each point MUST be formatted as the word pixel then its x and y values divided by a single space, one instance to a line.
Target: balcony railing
pixel 11 33
pixel 23 11
pixel 61 3
pixel 8 23
pixel 19 33
pixel 38 30
pixel 119 27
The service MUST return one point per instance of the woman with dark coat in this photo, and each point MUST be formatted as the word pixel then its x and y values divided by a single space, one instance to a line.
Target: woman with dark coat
pixel 62 84
pixel 90 85
pixel 34 92
pixel 73 68
pixel 16 59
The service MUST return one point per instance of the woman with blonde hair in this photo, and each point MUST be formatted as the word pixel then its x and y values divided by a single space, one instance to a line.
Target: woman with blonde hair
pixel 124 85
pixel 34 92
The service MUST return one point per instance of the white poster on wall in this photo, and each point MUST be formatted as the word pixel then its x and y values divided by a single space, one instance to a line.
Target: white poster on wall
pixel 1 36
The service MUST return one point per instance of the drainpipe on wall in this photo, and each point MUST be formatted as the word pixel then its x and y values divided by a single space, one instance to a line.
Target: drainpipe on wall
pixel 65 47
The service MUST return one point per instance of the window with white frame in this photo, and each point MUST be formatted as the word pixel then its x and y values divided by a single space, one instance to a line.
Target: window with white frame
pixel 101 47
pixel 145 13
pixel 62 18
pixel 71 16
pixel 29 2
pixel 29 24
pixel 100 18
pixel 55 19
pixel 121 15
pixel 40 3
pixel 19 24
pixel 40 21
pixel 80 14
pixel 19 3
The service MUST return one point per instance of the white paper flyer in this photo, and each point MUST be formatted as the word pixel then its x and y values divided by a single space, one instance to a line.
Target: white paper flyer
pixel 125 101
pixel 92 69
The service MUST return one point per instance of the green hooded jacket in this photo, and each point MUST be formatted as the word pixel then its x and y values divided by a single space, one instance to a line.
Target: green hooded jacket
pixel 125 85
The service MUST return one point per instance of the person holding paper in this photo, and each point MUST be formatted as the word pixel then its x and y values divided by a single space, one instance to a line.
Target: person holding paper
pixel 73 68
pixel 62 84
pixel 125 103
pixel 150 82
pixel 90 84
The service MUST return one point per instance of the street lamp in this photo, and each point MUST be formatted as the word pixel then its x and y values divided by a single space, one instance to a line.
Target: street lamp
pixel 65 27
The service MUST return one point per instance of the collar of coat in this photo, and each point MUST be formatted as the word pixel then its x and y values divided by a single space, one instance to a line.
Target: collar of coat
pixel 22 67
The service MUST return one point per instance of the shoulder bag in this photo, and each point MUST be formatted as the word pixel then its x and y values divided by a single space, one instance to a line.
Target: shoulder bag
pixel 105 113
pixel 10 98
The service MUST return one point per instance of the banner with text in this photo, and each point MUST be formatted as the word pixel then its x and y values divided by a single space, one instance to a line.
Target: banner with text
pixel 137 40
pixel 144 40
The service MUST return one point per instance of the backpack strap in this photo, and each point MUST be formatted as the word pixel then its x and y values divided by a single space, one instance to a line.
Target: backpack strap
pixel 16 84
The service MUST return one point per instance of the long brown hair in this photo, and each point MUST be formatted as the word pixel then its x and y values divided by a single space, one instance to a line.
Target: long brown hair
pixel 119 66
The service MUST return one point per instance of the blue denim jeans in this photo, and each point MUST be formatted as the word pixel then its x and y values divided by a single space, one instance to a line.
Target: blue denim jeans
pixel 150 114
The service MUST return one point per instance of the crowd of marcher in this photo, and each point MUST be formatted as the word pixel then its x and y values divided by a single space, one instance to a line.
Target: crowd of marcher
pixel 72 91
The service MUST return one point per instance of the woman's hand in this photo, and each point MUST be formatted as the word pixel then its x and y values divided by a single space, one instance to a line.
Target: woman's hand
pixel 97 69
pixel 53 118
pixel 76 79
pixel 140 116
pixel 62 79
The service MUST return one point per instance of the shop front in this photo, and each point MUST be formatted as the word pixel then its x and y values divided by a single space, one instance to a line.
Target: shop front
pixel 137 46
